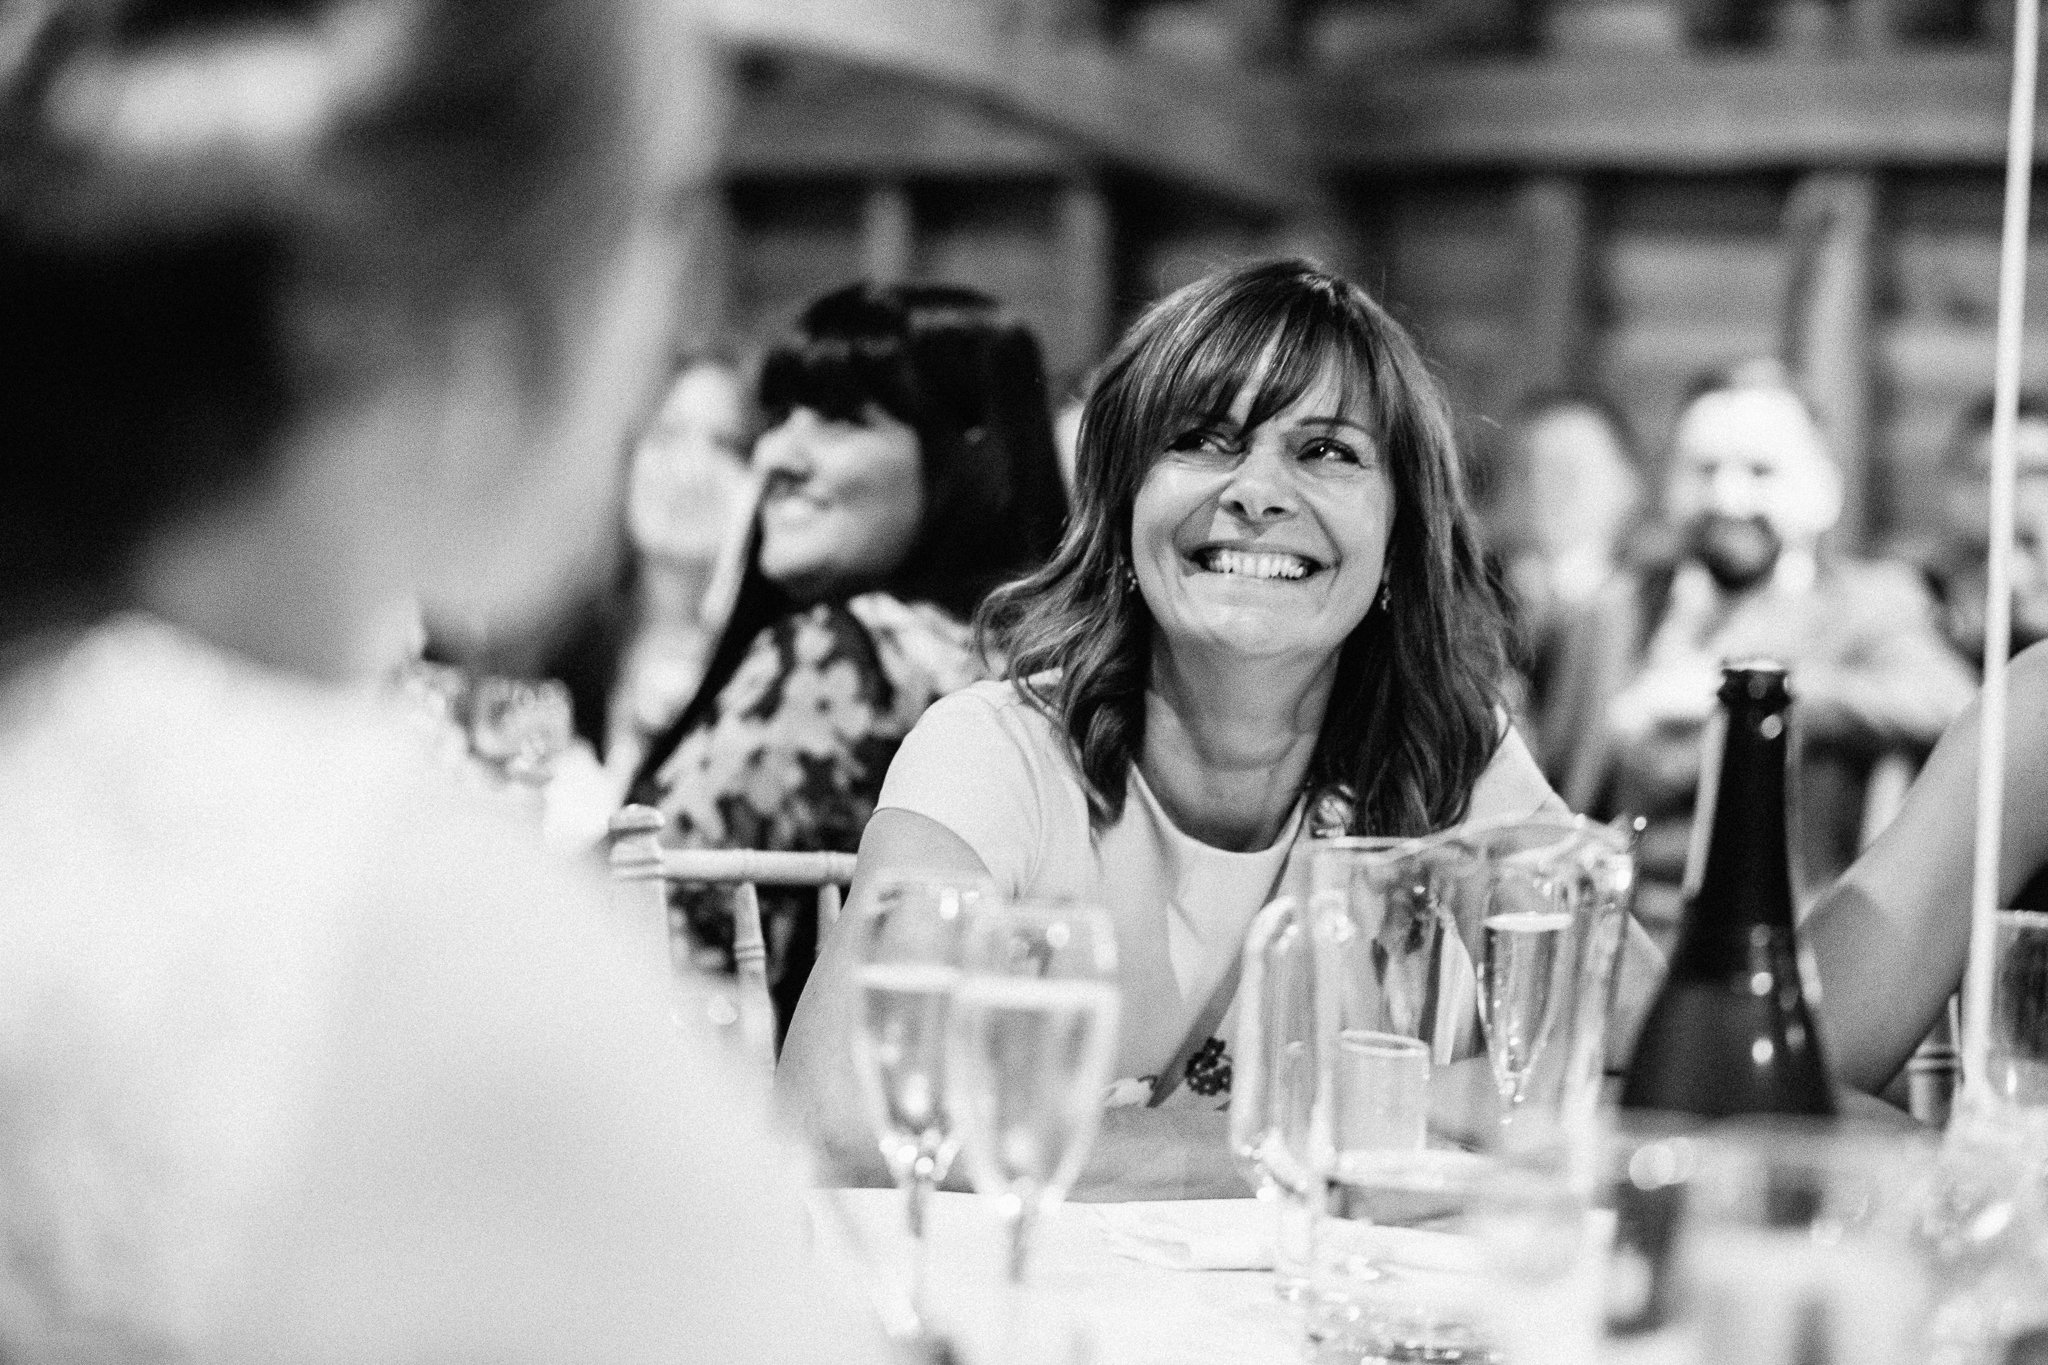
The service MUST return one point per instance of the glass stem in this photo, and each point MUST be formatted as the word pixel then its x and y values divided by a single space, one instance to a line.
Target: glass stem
pixel 921 1184
pixel 1021 1225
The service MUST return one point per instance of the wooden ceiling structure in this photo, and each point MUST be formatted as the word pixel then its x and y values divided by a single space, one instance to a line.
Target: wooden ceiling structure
pixel 1149 165
pixel 938 86
pixel 909 86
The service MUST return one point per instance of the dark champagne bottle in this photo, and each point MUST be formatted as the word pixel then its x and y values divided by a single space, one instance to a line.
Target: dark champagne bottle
pixel 1733 1030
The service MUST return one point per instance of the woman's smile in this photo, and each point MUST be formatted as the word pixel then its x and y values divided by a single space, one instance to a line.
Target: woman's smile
pixel 1256 563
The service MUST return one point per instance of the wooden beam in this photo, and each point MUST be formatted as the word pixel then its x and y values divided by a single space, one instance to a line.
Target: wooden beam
pixel 1552 229
pixel 1232 134
pixel 1667 112
pixel 1087 259
pixel 1831 226
pixel 888 233
pixel 809 118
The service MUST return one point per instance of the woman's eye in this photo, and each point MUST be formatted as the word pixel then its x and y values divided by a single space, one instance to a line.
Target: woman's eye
pixel 1330 451
pixel 1200 441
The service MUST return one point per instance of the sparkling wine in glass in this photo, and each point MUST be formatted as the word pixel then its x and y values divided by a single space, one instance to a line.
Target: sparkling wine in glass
pixel 906 966
pixel 1527 965
pixel 1031 1043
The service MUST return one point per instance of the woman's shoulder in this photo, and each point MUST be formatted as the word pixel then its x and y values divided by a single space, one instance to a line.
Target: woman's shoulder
pixel 992 706
pixel 1512 787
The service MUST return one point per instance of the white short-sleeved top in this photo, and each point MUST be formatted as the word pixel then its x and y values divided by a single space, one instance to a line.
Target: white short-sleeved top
pixel 991 769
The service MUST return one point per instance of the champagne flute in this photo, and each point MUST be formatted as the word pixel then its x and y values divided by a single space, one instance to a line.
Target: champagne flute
pixel 906 963
pixel 1030 1047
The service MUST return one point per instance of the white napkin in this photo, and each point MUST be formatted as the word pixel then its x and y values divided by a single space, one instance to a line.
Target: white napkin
pixel 1190 1234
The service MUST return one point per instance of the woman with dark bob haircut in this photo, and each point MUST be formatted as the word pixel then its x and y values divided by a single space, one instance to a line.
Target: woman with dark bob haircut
pixel 907 468
pixel 1267 616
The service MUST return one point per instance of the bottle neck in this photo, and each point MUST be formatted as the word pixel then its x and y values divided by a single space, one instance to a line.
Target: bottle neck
pixel 1745 885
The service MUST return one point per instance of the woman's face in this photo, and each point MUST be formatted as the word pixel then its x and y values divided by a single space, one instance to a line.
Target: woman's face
pixel 689 476
pixel 842 500
pixel 1270 542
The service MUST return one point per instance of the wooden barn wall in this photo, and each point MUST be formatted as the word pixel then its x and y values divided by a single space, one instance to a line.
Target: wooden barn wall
pixel 1937 319
pixel 1682 272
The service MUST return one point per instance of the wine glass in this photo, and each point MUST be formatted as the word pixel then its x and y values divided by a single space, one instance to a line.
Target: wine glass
pixel 906 963
pixel 1529 960
pixel 1030 1047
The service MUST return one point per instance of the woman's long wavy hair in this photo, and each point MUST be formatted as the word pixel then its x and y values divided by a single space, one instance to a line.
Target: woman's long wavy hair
pixel 1414 712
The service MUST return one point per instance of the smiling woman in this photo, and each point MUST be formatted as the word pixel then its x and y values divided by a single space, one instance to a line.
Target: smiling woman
pixel 907 468
pixel 1268 615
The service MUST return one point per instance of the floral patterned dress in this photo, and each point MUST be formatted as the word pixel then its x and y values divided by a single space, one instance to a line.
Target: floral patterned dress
pixel 792 753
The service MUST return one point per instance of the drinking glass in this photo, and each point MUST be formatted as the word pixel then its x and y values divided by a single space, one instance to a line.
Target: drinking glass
pixel 1030 1046
pixel 1527 969
pixel 2018 1061
pixel 1273 1092
pixel 1988 1226
pixel 1451 984
pixel 906 958
pixel 1803 1242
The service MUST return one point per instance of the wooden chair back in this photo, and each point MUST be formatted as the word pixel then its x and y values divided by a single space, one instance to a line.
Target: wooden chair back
pixel 643 870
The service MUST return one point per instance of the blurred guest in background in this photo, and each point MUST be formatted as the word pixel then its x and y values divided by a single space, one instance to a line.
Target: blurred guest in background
pixel 1958 568
pixel 907 468
pixel 1268 616
pixel 307 311
pixel 1572 506
pixel 632 656
pixel 1752 489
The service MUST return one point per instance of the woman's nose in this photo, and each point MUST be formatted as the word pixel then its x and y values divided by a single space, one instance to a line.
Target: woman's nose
pixel 785 448
pixel 1260 488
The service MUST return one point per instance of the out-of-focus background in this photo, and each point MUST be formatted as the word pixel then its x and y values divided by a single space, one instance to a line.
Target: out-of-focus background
pixel 1608 194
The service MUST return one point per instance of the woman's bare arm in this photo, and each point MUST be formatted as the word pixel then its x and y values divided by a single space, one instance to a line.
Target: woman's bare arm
pixel 1140 1153
pixel 814 1080
pixel 1890 937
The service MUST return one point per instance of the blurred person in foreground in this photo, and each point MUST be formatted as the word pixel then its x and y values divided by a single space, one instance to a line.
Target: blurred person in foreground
pixel 1572 509
pixel 1267 618
pixel 1751 491
pixel 1957 571
pixel 907 468
pixel 308 312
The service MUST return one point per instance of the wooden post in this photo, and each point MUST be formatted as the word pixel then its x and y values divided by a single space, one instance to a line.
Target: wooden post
pixel 1831 224
pixel 1086 253
pixel 704 307
pixel 1264 30
pixel 638 893
pixel 888 233
pixel 1552 234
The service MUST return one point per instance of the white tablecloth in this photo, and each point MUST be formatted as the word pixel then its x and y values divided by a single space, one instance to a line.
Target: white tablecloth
pixel 1080 1289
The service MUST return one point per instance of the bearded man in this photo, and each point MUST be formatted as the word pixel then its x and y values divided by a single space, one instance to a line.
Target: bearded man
pixel 1751 491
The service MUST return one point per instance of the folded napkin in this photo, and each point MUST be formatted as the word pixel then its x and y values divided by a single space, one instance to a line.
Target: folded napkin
pixel 1190 1234
pixel 1397 1248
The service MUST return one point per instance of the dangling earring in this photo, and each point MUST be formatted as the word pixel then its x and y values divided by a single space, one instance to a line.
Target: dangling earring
pixel 1386 596
pixel 1130 578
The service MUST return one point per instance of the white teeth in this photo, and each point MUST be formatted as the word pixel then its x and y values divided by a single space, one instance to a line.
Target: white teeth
pixel 1249 564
